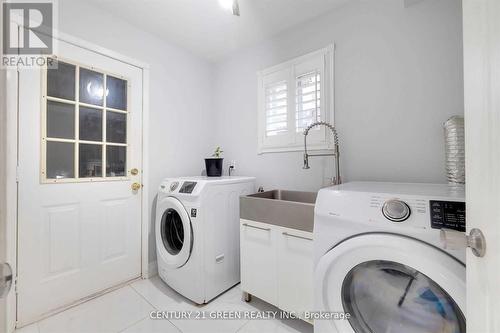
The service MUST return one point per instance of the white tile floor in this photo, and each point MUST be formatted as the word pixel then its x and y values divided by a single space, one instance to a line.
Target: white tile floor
pixel 128 310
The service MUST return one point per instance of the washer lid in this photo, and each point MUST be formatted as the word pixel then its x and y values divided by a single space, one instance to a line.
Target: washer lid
pixel 174 233
pixel 391 283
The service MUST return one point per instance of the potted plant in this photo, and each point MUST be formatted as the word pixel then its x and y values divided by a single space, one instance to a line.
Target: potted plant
pixel 214 163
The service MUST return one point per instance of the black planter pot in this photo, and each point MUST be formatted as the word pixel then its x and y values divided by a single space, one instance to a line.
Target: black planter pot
pixel 214 167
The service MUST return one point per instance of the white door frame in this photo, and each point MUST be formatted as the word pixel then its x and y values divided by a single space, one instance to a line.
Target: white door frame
pixel 481 23
pixel 12 161
pixel 10 203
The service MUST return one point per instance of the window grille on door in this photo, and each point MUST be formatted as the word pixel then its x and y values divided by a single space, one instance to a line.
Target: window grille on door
pixel 84 124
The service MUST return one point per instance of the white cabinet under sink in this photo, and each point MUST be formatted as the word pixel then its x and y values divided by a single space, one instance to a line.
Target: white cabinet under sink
pixel 277 265
pixel 295 270
pixel 259 275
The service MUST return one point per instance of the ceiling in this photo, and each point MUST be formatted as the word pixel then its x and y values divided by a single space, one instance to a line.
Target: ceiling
pixel 207 30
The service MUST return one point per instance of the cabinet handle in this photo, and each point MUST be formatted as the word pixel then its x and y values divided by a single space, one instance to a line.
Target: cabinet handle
pixel 296 236
pixel 253 226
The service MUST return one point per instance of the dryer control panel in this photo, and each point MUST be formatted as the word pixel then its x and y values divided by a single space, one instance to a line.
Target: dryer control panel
pixel 396 210
pixel 447 214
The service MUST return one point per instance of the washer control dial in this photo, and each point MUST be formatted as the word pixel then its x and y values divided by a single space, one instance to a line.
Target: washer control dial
pixel 396 210
pixel 173 186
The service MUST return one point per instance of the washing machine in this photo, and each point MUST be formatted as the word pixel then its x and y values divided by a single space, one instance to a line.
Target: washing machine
pixel 379 263
pixel 197 234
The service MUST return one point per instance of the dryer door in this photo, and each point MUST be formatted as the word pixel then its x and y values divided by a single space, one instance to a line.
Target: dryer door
pixel 390 283
pixel 174 233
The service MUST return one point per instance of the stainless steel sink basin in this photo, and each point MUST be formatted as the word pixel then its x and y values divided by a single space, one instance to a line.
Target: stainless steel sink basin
pixel 290 209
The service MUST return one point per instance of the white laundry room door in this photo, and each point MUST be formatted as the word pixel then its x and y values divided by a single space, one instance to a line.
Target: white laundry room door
pixel 482 142
pixel 80 161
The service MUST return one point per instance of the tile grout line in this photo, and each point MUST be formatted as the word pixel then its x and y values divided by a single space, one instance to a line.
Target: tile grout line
pixel 154 307
pixel 122 288
pixel 146 316
pixel 178 328
pixel 83 301
pixel 143 297
pixel 134 323
pixel 241 327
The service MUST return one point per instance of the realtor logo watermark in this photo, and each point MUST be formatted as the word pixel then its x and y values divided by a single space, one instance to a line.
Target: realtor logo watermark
pixel 27 33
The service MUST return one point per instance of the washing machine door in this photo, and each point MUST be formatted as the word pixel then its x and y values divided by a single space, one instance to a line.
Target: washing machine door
pixel 174 233
pixel 390 283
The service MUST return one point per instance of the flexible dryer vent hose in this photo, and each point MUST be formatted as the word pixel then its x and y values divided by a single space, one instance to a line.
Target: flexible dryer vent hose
pixel 454 135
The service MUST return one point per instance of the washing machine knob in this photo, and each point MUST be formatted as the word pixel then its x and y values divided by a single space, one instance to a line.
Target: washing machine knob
pixel 173 186
pixel 396 210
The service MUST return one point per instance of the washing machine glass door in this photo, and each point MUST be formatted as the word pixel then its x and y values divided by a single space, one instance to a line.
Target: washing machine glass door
pixel 389 283
pixel 174 233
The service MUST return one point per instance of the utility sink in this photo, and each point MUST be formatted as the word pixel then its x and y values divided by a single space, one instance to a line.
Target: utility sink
pixel 290 209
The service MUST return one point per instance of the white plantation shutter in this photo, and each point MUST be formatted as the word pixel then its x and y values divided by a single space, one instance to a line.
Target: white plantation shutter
pixel 292 96
pixel 308 100
pixel 276 108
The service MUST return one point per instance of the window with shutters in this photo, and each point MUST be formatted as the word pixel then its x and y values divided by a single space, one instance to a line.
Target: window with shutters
pixel 276 108
pixel 293 95
pixel 307 100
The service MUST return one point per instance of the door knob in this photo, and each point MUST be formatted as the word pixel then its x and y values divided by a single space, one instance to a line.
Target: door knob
pixel 136 186
pixel 456 240
pixel 5 279
pixel 134 172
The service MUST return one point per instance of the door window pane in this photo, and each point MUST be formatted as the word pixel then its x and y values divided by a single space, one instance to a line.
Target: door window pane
pixel 80 124
pixel 60 120
pixel 91 87
pixel 61 81
pixel 116 93
pixel 116 127
pixel 116 161
pixel 385 296
pixel 90 124
pixel 60 160
pixel 90 160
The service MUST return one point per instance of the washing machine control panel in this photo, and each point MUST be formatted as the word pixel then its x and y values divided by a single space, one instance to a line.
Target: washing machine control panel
pixel 396 210
pixel 447 214
pixel 187 187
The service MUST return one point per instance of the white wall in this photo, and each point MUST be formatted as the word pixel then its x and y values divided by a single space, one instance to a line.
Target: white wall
pixel 180 92
pixel 398 78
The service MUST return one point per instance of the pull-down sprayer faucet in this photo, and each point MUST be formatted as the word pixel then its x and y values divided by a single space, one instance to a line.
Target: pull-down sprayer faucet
pixel 337 180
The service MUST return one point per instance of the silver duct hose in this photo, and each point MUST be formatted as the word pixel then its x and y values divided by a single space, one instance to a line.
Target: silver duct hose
pixel 454 134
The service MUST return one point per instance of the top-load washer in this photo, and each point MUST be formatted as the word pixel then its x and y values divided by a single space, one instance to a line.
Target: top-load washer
pixel 197 234
pixel 380 262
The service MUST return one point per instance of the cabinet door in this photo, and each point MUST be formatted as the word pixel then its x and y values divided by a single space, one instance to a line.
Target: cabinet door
pixel 295 270
pixel 258 260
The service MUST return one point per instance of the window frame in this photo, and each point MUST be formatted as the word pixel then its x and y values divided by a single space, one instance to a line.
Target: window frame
pixel 292 141
pixel 76 141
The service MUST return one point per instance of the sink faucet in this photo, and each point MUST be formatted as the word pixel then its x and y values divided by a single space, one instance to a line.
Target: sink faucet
pixel 337 180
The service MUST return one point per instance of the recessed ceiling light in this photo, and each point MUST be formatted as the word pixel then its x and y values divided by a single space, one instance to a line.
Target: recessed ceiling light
pixel 230 5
